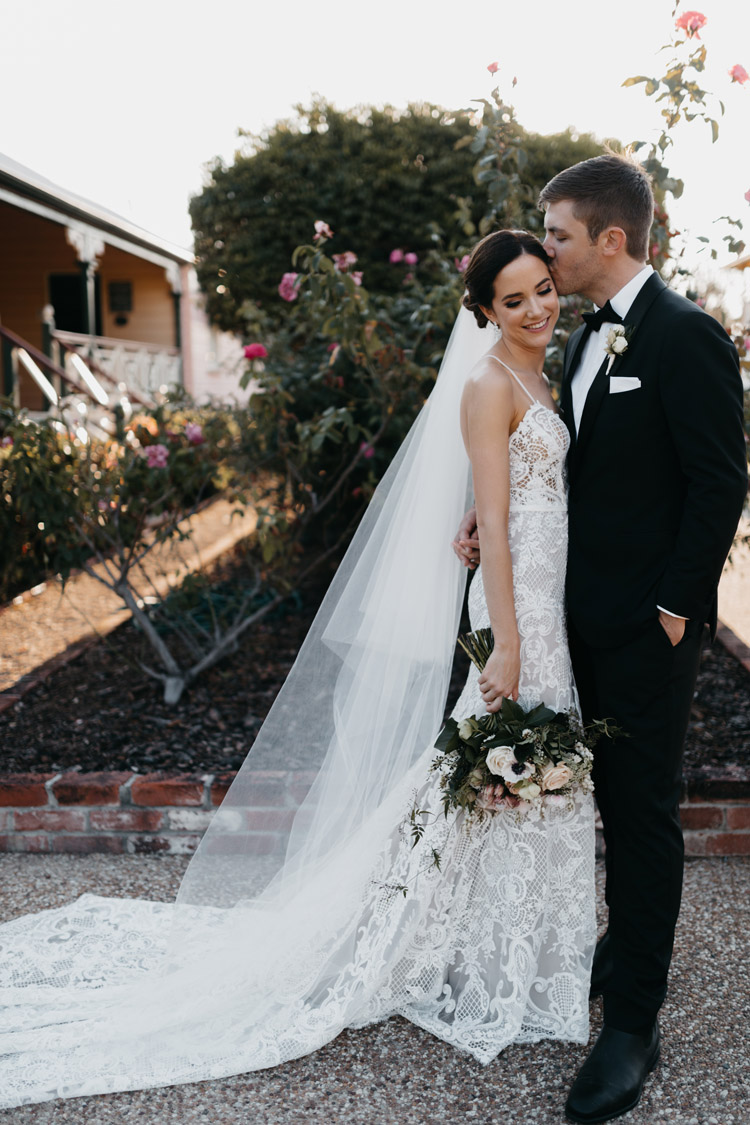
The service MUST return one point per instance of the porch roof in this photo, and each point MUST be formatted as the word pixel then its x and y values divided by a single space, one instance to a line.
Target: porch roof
pixel 22 187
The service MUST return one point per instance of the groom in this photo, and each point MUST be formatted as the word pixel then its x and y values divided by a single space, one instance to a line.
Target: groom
pixel 652 397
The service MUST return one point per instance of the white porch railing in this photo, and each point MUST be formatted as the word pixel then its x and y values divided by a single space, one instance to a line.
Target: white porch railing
pixel 141 367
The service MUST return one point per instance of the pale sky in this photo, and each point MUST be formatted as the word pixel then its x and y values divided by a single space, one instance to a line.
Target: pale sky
pixel 124 104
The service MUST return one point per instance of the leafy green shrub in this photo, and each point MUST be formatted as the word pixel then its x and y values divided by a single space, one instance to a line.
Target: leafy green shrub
pixel 385 179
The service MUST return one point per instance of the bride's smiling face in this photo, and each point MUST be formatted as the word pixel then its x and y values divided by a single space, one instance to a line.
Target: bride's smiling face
pixel 525 305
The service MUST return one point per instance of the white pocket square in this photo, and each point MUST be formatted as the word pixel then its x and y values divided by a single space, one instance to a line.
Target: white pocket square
pixel 620 383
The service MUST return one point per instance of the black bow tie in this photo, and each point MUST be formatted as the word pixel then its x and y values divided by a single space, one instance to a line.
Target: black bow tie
pixel 605 315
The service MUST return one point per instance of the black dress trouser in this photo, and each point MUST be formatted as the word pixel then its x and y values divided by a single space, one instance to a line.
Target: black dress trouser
pixel 646 686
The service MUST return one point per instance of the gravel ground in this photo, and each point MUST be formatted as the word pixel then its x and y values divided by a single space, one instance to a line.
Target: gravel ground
pixel 395 1074
pixel 100 712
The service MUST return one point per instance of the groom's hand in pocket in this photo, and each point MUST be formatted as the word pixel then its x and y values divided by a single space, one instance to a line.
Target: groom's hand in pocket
pixel 466 543
pixel 674 627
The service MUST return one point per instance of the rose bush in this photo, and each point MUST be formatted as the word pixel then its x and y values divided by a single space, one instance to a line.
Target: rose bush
pixel 104 505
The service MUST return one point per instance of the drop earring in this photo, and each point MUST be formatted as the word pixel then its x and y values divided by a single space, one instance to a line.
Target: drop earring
pixel 498 329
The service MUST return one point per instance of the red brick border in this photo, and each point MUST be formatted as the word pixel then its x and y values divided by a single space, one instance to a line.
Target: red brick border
pixel 139 814
pixel 143 814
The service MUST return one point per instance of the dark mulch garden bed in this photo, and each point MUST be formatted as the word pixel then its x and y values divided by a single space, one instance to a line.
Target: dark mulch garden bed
pixel 100 713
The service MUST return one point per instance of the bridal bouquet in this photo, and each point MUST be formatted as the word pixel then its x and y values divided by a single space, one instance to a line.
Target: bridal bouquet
pixel 514 759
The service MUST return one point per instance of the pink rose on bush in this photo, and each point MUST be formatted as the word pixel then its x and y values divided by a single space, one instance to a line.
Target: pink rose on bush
pixel 493 68
pixel 194 433
pixel 462 263
pixel 739 74
pixel 322 230
pixel 356 277
pixel 396 256
pixel 366 450
pixel 691 23
pixel 343 261
pixel 157 456
pixel 288 289
pixel 411 258
pixel 255 351
pixel 6 441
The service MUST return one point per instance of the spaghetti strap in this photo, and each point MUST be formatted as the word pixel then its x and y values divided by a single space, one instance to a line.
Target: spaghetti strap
pixel 505 365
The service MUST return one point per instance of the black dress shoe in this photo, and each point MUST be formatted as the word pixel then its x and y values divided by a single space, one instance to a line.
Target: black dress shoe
pixel 601 969
pixel 610 1082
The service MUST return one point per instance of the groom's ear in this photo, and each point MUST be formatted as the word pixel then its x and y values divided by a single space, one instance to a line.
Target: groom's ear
pixel 613 241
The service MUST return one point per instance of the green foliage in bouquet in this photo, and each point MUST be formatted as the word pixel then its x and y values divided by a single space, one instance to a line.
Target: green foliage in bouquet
pixel 514 758
pixel 512 762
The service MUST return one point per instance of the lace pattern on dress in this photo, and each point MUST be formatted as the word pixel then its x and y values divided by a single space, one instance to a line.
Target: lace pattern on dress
pixel 494 948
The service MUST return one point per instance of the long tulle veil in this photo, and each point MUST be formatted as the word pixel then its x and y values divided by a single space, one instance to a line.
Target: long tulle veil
pixel 241 973
pixel 367 691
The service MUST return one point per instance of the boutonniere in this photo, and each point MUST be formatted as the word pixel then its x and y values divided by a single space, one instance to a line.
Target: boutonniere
pixel 617 343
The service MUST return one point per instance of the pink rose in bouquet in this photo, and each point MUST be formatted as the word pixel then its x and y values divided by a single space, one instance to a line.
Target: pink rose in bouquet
pixel 555 776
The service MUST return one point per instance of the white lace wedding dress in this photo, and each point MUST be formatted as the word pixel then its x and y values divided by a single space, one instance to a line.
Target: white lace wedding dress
pixel 495 948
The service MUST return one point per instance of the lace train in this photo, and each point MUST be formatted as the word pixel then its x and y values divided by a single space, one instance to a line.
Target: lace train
pixel 495 947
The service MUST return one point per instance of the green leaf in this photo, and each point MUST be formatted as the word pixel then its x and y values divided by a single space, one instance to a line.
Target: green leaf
pixel 511 711
pixel 448 739
pixel 539 715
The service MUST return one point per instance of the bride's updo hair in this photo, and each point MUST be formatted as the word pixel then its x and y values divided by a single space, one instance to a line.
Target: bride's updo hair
pixel 488 258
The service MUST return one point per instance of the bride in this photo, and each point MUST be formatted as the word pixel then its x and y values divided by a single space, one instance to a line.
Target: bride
pixel 264 958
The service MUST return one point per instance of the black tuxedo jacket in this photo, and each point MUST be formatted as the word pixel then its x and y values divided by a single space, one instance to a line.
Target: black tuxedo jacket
pixel 657 474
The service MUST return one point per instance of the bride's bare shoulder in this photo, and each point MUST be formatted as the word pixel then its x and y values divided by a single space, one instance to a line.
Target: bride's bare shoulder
pixel 488 385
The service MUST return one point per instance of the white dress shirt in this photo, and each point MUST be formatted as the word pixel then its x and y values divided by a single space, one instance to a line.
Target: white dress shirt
pixel 594 355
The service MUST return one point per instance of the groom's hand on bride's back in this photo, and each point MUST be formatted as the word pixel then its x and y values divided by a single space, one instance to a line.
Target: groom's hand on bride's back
pixel 466 543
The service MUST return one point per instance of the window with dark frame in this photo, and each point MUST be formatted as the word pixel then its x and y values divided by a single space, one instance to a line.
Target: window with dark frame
pixel 120 296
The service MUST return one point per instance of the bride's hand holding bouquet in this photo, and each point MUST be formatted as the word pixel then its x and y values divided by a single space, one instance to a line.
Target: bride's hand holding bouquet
pixel 499 679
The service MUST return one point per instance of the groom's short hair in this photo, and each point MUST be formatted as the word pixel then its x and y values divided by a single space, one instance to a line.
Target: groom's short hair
pixel 611 190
